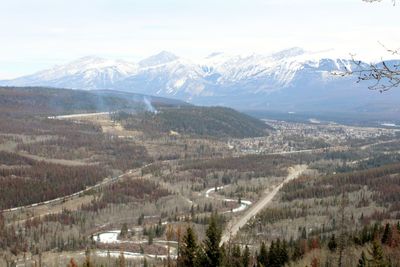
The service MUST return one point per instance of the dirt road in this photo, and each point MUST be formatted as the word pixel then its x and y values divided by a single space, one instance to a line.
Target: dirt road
pixel 82 115
pixel 234 225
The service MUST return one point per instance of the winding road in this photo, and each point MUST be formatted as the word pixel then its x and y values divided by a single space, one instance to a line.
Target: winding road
pixel 243 203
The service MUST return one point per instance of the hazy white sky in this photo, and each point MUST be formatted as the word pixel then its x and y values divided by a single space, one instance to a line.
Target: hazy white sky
pixel 37 34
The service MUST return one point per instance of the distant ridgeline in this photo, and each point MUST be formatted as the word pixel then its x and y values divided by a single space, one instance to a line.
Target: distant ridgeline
pixel 197 121
pixel 45 101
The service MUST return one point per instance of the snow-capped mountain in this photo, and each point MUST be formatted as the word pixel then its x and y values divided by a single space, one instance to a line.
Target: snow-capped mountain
pixel 161 58
pixel 223 75
pixel 290 79
pixel 179 78
pixel 87 72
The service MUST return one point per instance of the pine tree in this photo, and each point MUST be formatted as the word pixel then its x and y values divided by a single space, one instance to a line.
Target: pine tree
pixel 386 234
pixel 212 256
pixel 141 219
pixel 124 231
pixel 189 249
pixel 277 259
pixel 236 257
pixel 283 254
pixel 376 252
pixel 246 257
pixel 271 254
pixel 332 244
pixel 297 252
pixel 262 259
pixel 365 235
pixel 304 233
pixel 224 257
pixel 362 262
pixel 150 237
pixel 375 231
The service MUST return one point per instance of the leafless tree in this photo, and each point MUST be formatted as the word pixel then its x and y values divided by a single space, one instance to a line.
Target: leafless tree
pixel 371 1
pixel 385 75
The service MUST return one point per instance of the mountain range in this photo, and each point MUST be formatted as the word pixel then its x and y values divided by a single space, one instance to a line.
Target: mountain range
pixel 292 80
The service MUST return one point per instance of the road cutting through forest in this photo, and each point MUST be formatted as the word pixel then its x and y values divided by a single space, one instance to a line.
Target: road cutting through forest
pixel 235 224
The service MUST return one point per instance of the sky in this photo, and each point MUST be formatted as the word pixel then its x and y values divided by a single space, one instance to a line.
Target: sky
pixel 37 34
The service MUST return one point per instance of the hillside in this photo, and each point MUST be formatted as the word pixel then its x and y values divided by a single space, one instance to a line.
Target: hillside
pixel 41 100
pixel 199 121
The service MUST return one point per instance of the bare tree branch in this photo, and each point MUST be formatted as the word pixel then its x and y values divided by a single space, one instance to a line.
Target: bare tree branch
pixel 392 51
pixel 385 76
pixel 371 1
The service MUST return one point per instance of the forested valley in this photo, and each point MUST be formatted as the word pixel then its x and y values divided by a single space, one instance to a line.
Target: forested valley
pixel 114 182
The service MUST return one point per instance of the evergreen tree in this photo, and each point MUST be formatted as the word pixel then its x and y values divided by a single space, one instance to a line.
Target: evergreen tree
pixel 386 234
pixel 362 262
pixel 297 252
pixel 124 231
pixel 246 257
pixel 283 254
pixel 189 249
pixel 332 244
pixel 276 257
pixel 376 252
pixel 271 255
pixel 375 231
pixel 150 237
pixel 224 257
pixel 141 219
pixel 262 258
pixel 236 257
pixel 365 235
pixel 212 256
pixel 304 233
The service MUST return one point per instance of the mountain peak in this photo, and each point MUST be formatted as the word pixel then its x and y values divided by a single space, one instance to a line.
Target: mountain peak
pixel 215 54
pixel 96 63
pixel 291 52
pixel 87 60
pixel 160 58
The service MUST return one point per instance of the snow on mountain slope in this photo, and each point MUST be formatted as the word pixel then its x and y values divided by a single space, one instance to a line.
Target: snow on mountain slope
pixel 248 80
pixel 84 73
pixel 161 58
pixel 179 78
pixel 265 74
